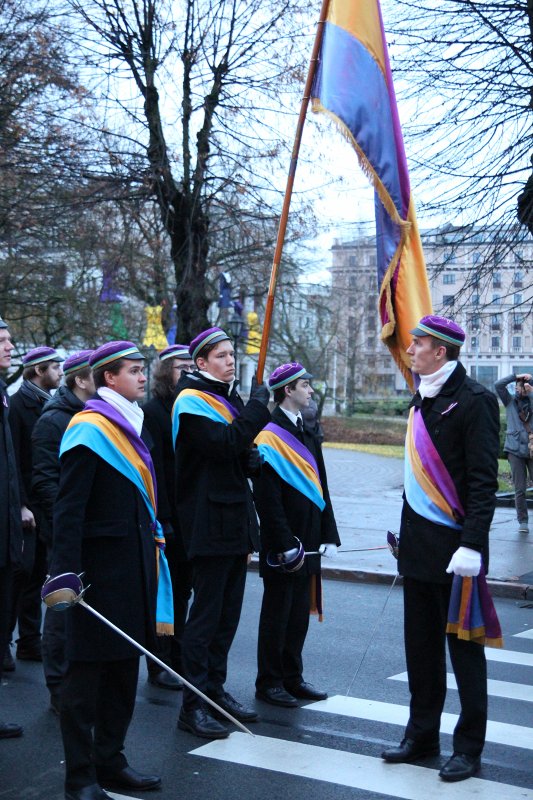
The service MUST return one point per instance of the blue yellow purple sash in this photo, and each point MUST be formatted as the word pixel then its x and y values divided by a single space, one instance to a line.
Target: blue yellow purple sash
pixel 429 489
pixel 108 434
pixel 203 404
pixel 292 461
pixel 472 615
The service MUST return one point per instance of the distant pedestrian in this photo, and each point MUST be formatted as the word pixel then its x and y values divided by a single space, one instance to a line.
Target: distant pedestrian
pixel 451 477
pixel 518 444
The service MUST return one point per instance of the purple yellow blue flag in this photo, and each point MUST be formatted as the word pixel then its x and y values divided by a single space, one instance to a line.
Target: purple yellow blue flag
pixel 353 85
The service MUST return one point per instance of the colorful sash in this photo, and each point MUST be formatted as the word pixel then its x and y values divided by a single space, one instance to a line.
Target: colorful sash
pixel 429 489
pixel 472 615
pixel 108 434
pixel 292 461
pixel 203 404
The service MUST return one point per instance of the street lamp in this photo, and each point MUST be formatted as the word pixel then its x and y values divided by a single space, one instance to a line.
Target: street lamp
pixel 235 325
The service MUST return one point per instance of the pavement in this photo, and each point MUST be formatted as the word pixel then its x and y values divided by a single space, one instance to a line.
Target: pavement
pixel 366 492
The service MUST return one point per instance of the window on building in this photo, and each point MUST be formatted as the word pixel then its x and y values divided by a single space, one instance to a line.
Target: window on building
pixel 447 299
pixel 485 375
pixel 517 298
pixel 474 323
pixel 448 277
pixel 517 344
pixel 497 280
pixel 476 257
pixel 352 261
pixel 371 323
pixel 517 280
pixel 352 282
pixel 475 299
pixel 495 344
pixel 517 322
pixel 495 322
pixel 474 342
pixel 496 299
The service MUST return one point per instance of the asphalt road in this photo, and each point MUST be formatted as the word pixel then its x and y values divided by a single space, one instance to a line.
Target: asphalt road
pixel 330 750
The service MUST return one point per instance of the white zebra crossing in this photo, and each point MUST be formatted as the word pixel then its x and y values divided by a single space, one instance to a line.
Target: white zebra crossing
pixel 507 689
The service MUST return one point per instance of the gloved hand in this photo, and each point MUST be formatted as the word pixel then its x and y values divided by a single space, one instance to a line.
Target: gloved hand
pixel 328 550
pixel 465 562
pixel 253 461
pixel 288 554
pixel 259 392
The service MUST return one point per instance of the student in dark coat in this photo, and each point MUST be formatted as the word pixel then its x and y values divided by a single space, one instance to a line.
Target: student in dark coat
pixel 173 361
pixel 10 516
pixel 213 432
pixel 451 478
pixel 46 440
pixel 104 524
pixel 42 373
pixel 292 505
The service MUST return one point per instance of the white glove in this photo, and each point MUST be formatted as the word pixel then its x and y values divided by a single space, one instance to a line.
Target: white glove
pixel 287 555
pixel 328 550
pixel 465 562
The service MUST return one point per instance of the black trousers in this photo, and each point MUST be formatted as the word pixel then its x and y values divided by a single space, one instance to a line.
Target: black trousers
pixel 425 616
pixel 6 593
pixel 53 644
pixel 97 702
pixel 27 583
pixel 283 626
pixel 218 586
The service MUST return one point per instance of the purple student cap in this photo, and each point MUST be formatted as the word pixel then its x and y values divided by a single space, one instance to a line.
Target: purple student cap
pixel 39 355
pixel 77 361
pixel 286 373
pixel 175 351
pixel 112 351
pixel 440 327
pixel 210 336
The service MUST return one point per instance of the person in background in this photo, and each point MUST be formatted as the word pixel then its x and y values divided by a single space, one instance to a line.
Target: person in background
pixel 173 361
pixel 518 445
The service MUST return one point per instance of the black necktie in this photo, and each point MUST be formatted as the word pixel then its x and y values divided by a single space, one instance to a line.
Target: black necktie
pixel 300 425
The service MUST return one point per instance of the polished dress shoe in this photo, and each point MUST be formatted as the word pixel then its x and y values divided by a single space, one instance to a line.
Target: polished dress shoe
pixel 8 663
pixel 92 792
pixel 460 767
pixel 127 778
pixel 10 730
pixel 276 696
pixel 233 707
pixel 164 680
pixel 201 723
pixel 409 750
pixel 305 691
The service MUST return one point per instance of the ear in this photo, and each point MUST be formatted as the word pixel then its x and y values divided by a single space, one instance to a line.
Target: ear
pixel 109 378
pixel 201 363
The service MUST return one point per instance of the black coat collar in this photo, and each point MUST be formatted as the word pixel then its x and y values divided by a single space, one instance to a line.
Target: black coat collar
pixel 454 382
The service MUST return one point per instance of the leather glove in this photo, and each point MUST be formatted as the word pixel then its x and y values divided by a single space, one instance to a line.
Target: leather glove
pixel 328 550
pixel 259 392
pixel 465 562
pixel 253 461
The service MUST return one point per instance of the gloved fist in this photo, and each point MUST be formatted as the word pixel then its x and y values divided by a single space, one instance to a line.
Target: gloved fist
pixel 328 550
pixel 259 392
pixel 253 461
pixel 465 562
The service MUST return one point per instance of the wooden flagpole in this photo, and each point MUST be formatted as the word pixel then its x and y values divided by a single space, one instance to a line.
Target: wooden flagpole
pixel 282 228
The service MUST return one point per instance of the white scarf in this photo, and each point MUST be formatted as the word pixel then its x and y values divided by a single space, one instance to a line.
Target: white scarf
pixel 430 385
pixel 210 377
pixel 131 411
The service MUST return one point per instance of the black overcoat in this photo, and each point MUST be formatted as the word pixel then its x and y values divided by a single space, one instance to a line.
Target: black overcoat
pixel 25 409
pixel 10 519
pixel 284 512
pixel 466 436
pixel 213 498
pixel 102 528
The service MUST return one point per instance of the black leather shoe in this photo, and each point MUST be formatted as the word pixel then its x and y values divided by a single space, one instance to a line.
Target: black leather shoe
pixel 459 767
pixel 8 663
pixel 127 778
pixel 409 750
pixel 202 724
pixel 92 792
pixel 164 680
pixel 31 654
pixel 233 707
pixel 276 696
pixel 306 691
pixel 10 730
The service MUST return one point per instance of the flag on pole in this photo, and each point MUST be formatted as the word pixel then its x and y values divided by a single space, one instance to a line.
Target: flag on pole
pixel 353 85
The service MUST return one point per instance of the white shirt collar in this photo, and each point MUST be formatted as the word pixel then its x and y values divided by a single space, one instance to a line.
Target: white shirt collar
pixel 292 416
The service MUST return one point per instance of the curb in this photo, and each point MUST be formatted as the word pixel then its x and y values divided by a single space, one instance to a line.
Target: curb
pixel 514 590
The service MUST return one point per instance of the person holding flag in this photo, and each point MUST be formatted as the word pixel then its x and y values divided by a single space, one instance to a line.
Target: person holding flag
pixel 105 526
pixel 292 500
pixel 451 478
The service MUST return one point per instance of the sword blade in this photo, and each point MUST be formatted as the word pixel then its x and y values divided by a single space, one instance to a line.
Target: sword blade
pixel 162 664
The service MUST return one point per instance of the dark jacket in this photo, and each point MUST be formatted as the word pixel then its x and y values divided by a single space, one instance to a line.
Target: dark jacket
pixel 102 528
pixel 213 498
pixel 26 408
pixel 10 519
pixel 285 512
pixel 46 440
pixel 516 437
pixel 467 440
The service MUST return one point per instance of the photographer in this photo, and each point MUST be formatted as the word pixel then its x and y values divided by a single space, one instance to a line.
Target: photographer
pixel 519 438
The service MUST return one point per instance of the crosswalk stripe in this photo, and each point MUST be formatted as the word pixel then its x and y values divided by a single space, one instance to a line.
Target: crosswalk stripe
pixel 497 732
pixel 512 691
pixel 509 657
pixel 404 781
pixel 525 634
